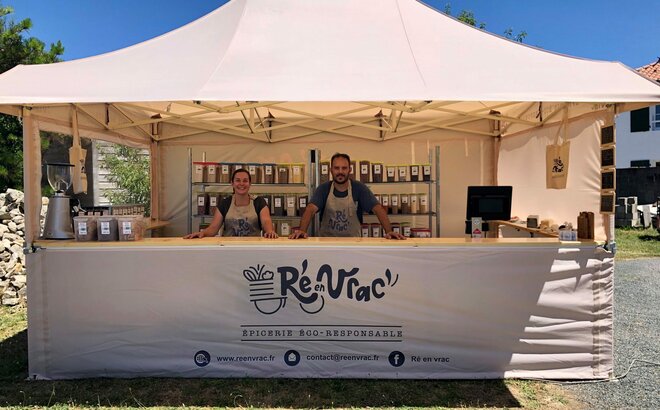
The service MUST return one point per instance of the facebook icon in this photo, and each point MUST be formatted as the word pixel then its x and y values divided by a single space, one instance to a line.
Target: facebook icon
pixel 396 358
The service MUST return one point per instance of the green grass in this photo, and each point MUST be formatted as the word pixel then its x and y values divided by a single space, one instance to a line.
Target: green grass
pixel 17 392
pixel 635 243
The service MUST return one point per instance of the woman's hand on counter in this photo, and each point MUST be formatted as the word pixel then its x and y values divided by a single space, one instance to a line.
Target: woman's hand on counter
pixel 394 235
pixel 298 234
pixel 270 235
pixel 193 235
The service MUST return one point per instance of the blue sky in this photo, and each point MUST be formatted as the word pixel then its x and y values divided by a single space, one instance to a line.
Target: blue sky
pixel 614 30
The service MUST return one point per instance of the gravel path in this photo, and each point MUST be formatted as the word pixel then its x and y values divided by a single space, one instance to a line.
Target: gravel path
pixel 636 336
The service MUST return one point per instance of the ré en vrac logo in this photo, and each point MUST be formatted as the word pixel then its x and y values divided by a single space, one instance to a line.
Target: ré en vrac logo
pixel 311 287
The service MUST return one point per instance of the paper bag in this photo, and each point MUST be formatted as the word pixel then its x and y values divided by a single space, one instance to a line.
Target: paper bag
pixel 556 163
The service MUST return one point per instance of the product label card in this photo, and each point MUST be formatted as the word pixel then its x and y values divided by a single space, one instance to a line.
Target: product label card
pixel 427 170
pixel 105 228
pixel 212 170
pixel 199 169
pixel 200 201
pixel 269 170
pixel 225 169
pixel 404 199
pixel 252 169
pixel 296 170
pixel 213 201
pixel 390 172
pixel 290 202
pixel 324 168
pixel 414 170
pixel 278 202
pixel 126 228
pixel 82 228
pixel 364 169
pixel 378 169
pixel 402 172
pixel 395 200
pixel 423 199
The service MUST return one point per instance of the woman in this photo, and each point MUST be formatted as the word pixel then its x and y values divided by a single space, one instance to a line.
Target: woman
pixel 241 214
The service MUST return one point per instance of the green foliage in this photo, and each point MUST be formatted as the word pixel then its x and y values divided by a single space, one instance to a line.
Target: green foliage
pixel 16 48
pixel 129 171
pixel 467 17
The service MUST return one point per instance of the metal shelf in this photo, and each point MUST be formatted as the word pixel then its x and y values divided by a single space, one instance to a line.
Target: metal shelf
pixel 225 184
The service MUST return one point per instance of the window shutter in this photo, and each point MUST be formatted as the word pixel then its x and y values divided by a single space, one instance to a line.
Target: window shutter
pixel 640 120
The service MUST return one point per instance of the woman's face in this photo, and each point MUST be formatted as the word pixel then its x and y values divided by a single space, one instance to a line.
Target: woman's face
pixel 241 183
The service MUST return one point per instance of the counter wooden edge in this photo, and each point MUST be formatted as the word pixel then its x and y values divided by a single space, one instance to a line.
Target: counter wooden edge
pixel 313 242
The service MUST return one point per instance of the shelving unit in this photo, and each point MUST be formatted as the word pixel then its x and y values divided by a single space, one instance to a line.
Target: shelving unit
pixel 310 185
pixel 196 188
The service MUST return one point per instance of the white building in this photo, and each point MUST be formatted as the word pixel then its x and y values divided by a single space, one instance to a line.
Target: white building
pixel 638 132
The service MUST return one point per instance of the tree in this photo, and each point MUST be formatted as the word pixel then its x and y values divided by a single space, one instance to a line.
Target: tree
pixel 129 171
pixel 16 48
pixel 467 17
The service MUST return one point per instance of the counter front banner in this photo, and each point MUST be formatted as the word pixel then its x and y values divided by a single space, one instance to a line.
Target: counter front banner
pixel 344 312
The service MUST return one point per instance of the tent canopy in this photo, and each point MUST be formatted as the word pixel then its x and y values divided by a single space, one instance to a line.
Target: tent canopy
pixel 251 68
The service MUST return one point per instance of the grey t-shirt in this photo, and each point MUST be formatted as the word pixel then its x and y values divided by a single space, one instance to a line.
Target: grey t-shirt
pixel 362 195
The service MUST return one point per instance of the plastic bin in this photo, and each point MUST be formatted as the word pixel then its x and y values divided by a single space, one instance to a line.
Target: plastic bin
pixel 106 229
pixel 84 228
pixel 131 228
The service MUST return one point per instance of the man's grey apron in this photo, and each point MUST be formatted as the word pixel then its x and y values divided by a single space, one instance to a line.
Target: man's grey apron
pixel 340 215
pixel 241 220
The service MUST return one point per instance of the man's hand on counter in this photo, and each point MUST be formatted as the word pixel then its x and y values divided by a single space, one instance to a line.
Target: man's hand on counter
pixel 298 234
pixel 270 235
pixel 394 235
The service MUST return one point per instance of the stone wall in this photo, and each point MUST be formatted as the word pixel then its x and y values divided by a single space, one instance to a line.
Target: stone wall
pixel 12 259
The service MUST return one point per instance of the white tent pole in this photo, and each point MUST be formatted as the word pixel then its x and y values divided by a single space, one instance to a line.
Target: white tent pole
pixel 31 177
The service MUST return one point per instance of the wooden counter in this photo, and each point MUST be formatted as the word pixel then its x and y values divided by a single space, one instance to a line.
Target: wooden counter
pixel 349 242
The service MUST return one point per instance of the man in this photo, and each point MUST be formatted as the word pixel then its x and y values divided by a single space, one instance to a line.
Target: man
pixel 342 202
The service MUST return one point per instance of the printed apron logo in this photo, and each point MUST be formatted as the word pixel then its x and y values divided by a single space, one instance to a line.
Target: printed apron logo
pixel 339 223
pixel 311 295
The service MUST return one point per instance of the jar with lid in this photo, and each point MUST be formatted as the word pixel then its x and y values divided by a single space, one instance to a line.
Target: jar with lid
pixel 325 172
pixel 297 173
pixel 391 173
pixel 426 172
pixel 269 173
pixel 211 174
pixel 365 171
pixel 377 172
pixel 403 173
pixel 394 203
pixel 385 202
pixel 283 174
pixel 423 203
pixel 365 230
pixel 414 203
pixel 224 173
pixel 415 173
pixel 198 172
pixel 106 228
pixel 405 203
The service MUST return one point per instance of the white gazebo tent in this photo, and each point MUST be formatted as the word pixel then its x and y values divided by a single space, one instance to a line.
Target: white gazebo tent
pixel 322 69
pixel 267 80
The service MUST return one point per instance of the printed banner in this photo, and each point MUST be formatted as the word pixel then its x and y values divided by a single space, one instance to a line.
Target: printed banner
pixel 386 312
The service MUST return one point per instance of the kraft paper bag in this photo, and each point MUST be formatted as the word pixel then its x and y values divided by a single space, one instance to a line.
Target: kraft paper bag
pixel 556 162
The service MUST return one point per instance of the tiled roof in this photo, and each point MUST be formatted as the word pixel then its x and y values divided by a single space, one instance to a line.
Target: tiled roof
pixel 651 71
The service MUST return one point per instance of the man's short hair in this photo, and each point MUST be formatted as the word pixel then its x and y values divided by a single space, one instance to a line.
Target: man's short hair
pixel 340 155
